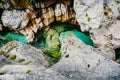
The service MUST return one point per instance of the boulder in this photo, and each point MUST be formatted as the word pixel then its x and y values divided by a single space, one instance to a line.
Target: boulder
pixel 18 53
pixel 29 63
pixel 83 62
pixel 107 38
pixel 15 19
pixel 29 72
pixel 92 14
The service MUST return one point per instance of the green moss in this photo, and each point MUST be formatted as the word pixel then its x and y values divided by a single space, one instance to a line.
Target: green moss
pixel 55 53
pixel 28 71
pixel 20 60
pixel 78 46
pixel 88 19
pixel 12 57
pixel 51 40
pixel 26 63
pixel 86 15
pixel 51 62
pixel 6 55
pixel 109 9
pixel 118 1
pixel 11 48
pixel 1 52
pixel 63 27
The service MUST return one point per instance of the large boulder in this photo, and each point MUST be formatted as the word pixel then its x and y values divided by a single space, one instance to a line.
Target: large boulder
pixel 23 62
pixel 94 13
pixel 79 62
pixel 83 62
pixel 29 72
pixel 18 53
pixel 107 38
pixel 15 19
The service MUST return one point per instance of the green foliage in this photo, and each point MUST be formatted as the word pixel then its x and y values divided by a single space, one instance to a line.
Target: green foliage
pixel 30 1
pixel 55 53
pixel 50 45
pixel 51 40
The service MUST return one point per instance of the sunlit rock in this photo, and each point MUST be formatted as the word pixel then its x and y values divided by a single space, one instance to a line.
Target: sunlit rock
pixel 24 54
pixel 107 38
pixel 92 14
pixel 83 62
pixel 14 19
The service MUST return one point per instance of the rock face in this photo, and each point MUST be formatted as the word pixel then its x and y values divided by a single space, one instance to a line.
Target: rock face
pixel 15 19
pixel 29 63
pixel 92 14
pixel 83 62
pixel 32 17
pixel 88 13
pixel 22 54
pixel 107 38
pixel 101 19
pixel 78 62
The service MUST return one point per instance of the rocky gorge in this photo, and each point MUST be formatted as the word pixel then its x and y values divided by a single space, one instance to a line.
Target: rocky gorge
pixel 60 40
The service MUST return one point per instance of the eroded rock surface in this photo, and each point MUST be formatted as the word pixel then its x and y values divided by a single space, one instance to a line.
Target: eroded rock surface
pixel 15 19
pixel 78 62
pixel 83 62
pixel 107 38
pixel 18 53
pixel 92 14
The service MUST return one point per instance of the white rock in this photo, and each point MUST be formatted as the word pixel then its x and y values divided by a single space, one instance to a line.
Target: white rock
pixel 60 9
pixel 83 62
pixel 28 53
pixel 107 38
pixel 94 13
pixel 37 69
pixel 14 19
pixel 88 13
